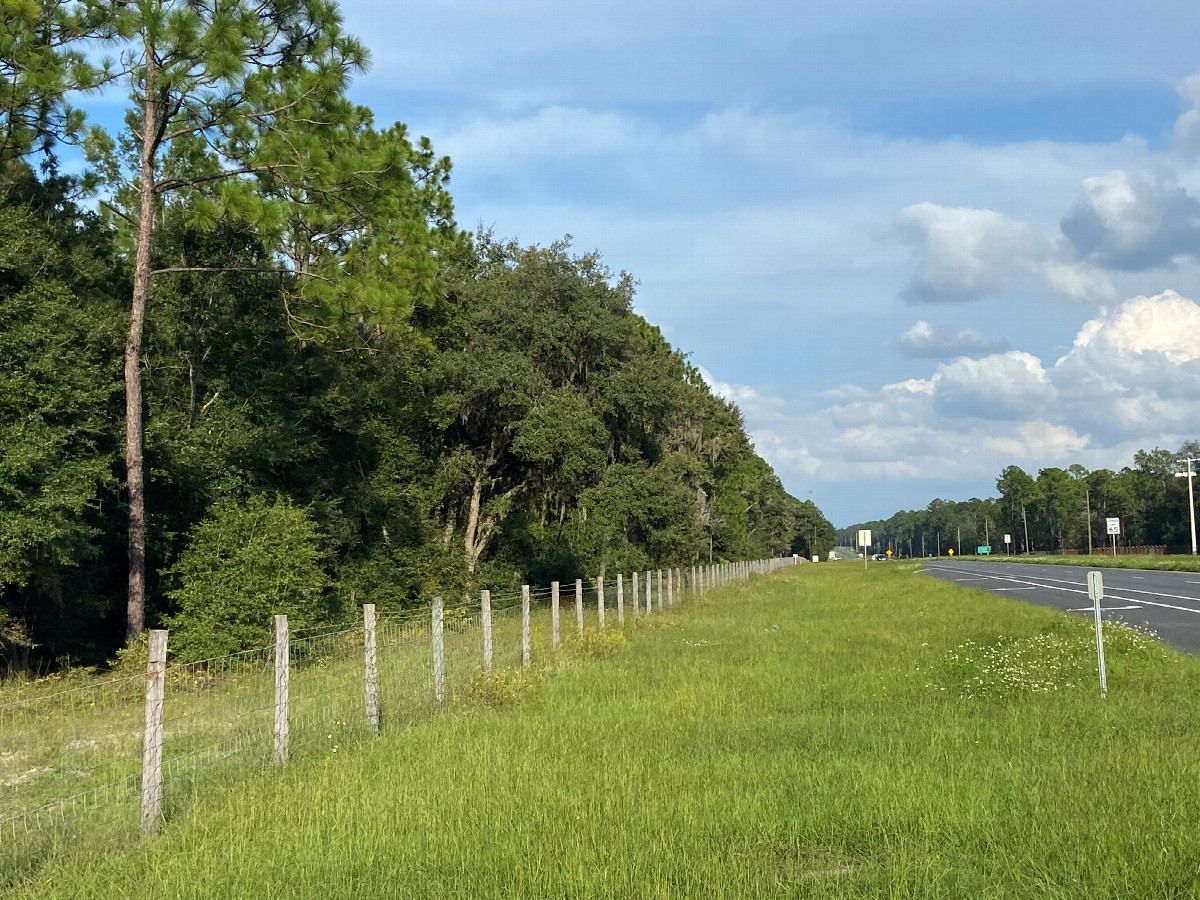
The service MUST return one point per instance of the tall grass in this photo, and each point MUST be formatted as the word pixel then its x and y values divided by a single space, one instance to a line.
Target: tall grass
pixel 821 733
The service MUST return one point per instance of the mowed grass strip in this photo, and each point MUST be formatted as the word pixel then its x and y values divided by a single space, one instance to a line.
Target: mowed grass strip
pixel 1153 562
pixel 821 733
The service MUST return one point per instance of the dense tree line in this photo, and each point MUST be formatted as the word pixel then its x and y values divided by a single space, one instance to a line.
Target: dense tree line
pixel 249 363
pixel 1053 511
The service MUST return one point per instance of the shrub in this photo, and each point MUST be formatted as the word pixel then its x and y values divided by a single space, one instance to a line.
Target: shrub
pixel 599 644
pixel 245 564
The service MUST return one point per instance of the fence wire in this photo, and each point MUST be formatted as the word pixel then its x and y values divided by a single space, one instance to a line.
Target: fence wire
pixel 75 754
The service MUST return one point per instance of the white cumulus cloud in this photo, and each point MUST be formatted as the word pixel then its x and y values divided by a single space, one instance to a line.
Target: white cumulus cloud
pixel 1125 222
pixel 967 254
pixel 925 341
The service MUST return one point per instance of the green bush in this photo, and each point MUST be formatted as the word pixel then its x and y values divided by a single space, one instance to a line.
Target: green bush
pixel 245 564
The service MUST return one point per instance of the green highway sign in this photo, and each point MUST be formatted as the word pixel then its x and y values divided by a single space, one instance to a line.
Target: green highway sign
pixel 983 551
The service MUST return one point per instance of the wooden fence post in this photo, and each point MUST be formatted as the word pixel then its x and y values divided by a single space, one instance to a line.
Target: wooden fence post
pixel 152 738
pixel 579 605
pixel 600 602
pixel 485 622
pixel 371 672
pixel 525 636
pixel 554 613
pixel 439 653
pixel 620 600
pixel 637 597
pixel 649 594
pixel 670 587
pixel 283 677
pixel 660 591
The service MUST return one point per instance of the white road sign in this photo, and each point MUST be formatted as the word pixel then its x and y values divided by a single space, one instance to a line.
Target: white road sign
pixel 1114 526
pixel 1095 586
pixel 864 537
pixel 1008 539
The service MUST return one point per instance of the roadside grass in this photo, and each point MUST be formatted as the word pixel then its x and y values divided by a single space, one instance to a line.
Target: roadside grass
pixel 1172 563
pixel 820 733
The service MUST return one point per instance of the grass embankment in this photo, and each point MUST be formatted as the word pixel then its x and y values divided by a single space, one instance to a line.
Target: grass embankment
pixel 824 733
pixel 1098 561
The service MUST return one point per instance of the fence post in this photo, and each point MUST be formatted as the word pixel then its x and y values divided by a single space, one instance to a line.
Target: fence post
pixel 525 637
pixel 649 594
pixel 637 597
pixel 579 605
pixel 670 587
pixel 620 600
pixel 554 613
pixel 439 653
pixel 283 675
pixel 152 738
pixel 660 591
pixel 371 672
pixel 485 622
pixel 600 602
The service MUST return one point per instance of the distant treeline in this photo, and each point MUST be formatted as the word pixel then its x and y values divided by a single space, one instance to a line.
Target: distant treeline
pixel 1054 509
pixel 250 364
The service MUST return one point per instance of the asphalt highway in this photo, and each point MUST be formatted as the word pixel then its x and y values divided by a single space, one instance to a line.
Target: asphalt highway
pixel 1166 602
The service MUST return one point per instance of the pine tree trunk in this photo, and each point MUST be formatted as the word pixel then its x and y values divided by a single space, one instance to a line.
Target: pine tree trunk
pixel 135 476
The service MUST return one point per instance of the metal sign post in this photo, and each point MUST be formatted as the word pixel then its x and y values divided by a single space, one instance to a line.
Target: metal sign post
pixel 1114 529
pixel 1096 593
pixel 864 541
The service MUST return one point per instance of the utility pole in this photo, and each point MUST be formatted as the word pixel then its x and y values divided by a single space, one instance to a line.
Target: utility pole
pixel 1087 493
pixel 1025 519
pixel 1189 475
pixel 960 540
pixel 987 541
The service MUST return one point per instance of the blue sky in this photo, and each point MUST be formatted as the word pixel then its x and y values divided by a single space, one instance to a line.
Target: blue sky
pixel 916 242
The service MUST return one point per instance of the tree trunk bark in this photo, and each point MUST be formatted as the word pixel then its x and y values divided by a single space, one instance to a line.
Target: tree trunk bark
pixel 469 543
pixel 135 476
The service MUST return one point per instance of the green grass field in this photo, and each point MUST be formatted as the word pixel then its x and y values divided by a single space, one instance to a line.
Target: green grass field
pixel 824 732
pixel 1172 563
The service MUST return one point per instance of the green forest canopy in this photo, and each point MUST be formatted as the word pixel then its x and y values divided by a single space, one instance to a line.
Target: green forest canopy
pixel 342 395
pixel 1055 509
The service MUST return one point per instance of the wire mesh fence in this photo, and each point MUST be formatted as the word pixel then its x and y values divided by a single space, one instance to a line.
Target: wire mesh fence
pixel 124 749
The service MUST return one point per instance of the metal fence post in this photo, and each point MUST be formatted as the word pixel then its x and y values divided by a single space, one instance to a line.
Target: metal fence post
pixel 485 622
pixel 439 653
pixel 370 670
pixel 525 635
pixel 283 674
pixel 152 738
